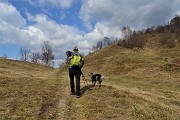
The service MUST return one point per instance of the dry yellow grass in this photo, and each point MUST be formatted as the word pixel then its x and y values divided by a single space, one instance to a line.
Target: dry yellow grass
pixel 28 91
pixel 146 82
pixel 139 85
pixel 118 99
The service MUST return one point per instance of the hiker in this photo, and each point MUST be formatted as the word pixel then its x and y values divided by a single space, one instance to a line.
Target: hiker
pixel 75 64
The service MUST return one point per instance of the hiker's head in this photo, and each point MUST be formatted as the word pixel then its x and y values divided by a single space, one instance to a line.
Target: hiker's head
pixel 75 49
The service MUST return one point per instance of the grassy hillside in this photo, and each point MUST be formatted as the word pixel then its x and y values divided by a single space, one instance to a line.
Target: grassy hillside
pixel 142 83
pixel 28 91
pixel 118 60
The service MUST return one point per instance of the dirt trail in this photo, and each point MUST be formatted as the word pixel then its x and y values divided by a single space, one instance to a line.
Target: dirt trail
pixel 63 107
pixel 63 104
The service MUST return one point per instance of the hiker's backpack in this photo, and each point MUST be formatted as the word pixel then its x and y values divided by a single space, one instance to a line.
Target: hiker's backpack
pixel 76 61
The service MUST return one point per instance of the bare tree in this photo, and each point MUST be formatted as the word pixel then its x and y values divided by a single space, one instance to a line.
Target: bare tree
pixel 132 38
pixel 175 24
pixel 126 32
pixel 35 57
pixel 106 41
pixel 47 53
pixel 24 54
pixel 99 45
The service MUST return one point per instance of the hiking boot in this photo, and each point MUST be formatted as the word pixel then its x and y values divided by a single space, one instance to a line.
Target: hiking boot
pixel 73 93
pixel 78 96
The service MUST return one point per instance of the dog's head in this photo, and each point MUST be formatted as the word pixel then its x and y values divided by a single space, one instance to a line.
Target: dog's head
pixel 90 74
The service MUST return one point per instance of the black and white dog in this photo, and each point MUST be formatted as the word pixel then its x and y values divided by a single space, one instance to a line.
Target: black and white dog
pixel 96 78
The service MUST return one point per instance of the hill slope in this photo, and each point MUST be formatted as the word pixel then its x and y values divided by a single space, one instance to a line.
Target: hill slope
pixel 118 60
pixel 145 82
pixel 28 91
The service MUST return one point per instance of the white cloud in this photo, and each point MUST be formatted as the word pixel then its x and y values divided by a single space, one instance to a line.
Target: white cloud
pixel 9 15
pixel 136 14
pixel 100 31
pixel 9 33
pixel 62 37
pixel 11 23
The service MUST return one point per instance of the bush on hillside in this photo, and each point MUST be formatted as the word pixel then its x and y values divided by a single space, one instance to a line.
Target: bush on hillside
pixel 136 39
pixel 171 35
pixel 168 40
pixel 175 24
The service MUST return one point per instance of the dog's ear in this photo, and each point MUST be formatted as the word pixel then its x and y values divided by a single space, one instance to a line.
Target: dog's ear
pixel 90 74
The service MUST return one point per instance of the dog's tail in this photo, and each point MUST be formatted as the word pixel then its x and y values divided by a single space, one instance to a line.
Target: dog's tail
pixel 102 77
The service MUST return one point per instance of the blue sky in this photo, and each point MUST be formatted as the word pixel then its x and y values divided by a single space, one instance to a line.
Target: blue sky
pixel 67 23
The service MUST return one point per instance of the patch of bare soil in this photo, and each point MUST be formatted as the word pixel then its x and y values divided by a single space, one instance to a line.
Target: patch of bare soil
pixel 176 61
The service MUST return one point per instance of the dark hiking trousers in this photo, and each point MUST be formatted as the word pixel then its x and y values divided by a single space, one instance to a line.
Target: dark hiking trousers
pixel 75 73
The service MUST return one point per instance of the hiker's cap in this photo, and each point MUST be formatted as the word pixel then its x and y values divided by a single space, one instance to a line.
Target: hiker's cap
pixel 75 48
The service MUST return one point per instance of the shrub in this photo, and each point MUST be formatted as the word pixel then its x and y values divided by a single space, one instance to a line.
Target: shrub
pixel 136 39
pixel 168 40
